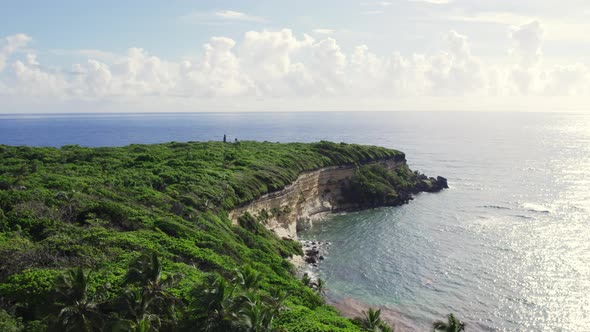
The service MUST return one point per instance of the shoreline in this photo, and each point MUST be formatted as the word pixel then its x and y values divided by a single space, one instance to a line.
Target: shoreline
pixel 316 194
pixel 348 307
pixel 352 308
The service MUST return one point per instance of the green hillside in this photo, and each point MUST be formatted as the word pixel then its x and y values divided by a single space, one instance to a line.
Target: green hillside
pixel 137 237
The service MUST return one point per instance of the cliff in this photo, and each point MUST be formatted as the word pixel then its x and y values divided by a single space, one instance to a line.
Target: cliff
pixel 78 209
pixel 331 189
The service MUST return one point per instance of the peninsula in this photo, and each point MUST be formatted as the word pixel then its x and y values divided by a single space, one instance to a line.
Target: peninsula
pixel 179 236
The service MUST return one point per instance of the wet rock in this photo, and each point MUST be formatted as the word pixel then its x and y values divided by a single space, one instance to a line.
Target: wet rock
pixel 312 252
pixel 442 182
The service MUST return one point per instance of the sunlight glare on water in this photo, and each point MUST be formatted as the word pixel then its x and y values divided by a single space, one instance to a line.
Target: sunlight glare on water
pixel 506 248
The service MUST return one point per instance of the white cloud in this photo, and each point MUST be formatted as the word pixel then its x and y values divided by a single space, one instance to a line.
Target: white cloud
pixel 12 44
pixel 217 74
pixel 572 29
pixel 238 16
pixel 504 18
pixel 220 17
pixel 32 80
pixel 281 65
pixel 457 70
pixel 528 42
pixel 568 80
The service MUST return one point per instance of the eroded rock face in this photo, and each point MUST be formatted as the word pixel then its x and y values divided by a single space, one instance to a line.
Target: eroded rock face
pixel 303 223
pixel 314 195
pixel 317 193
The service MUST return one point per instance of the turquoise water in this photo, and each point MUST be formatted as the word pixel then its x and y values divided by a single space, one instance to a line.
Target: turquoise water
pixel 506 248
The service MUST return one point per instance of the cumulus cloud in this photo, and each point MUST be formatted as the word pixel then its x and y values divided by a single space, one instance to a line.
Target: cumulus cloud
pixel 456 70
pixel 12 44
pixel 33 80
pixel 218 73
pixel 527 43
pixel 528 40
pixel 567 80
pixel 280 64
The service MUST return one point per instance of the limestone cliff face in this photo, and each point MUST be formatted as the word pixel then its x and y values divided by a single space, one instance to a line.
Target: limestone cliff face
pixel 313 195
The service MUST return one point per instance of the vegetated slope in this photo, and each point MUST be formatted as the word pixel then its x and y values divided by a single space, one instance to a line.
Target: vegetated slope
pixel 104 209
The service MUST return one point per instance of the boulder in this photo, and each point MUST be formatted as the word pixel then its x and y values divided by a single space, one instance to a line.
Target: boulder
pixel 442 182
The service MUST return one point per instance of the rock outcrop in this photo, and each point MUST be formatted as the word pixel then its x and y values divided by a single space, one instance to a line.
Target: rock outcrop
pixel 317 193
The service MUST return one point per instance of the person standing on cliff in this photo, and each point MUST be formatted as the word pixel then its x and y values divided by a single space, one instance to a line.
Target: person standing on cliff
pixel 224 139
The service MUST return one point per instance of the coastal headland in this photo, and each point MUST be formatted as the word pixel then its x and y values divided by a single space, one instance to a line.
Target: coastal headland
pixel 199 215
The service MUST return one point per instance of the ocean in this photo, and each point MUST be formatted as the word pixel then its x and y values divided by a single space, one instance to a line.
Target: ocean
pixel 505 248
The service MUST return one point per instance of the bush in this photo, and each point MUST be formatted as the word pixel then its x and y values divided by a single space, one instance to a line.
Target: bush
pixel 101 208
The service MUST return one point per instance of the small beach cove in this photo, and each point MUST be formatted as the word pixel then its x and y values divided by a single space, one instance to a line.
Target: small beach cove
pixel 317 251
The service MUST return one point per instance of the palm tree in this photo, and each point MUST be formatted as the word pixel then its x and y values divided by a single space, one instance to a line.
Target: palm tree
pixel 153 297
pixel 138 305
pixel 145 269
pixel 321 286
pixel 248 278
pixel 451 325
pixel 255 315
pixel 79 310
pixel 215 305
pixel 306 280
pixel 276 300
pixel 371 321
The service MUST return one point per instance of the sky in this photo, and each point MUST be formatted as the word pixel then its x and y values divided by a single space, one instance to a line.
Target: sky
pixel 275 55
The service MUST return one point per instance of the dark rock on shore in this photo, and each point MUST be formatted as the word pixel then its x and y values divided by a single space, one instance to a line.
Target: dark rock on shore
pixel 314 252
pixel 430 184
pixel 442 182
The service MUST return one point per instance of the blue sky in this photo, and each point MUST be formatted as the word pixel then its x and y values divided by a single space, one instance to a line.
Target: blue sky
pixel 66 56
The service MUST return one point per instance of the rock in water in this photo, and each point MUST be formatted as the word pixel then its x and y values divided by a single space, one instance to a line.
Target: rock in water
pixel 442 182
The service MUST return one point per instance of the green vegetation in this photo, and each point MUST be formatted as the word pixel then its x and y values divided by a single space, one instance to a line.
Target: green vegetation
pixel 137 237
pixel 371 321
pixel 374 185
pixel 451 325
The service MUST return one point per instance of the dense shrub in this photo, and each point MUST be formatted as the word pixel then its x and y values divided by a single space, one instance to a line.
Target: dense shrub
pixel 101 208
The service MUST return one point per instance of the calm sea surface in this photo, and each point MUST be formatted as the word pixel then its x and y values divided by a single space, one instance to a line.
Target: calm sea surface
pixel 507 247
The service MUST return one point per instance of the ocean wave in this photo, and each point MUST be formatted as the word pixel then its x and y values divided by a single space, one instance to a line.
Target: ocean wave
pixel 496 207
pixel 523 216
pixel 535 208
